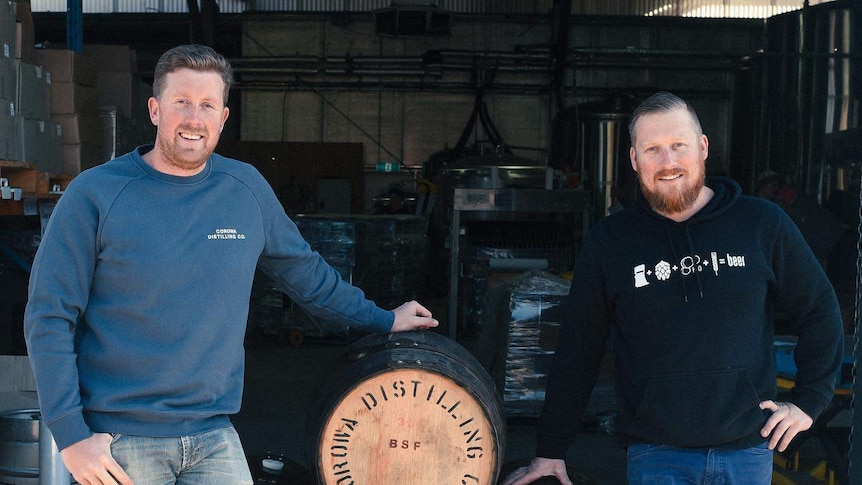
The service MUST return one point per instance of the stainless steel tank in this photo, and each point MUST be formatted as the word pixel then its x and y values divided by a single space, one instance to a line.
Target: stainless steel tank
pixel 812 75
pixel 603 154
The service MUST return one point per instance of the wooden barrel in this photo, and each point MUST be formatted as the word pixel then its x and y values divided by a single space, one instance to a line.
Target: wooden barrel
pixel 408 408
pixel 19 447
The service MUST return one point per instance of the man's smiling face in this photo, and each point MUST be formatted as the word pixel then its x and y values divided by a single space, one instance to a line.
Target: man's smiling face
pixel 189 115
pixel 669 155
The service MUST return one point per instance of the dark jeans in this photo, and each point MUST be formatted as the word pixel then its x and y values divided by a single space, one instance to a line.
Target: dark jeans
pixel 650 464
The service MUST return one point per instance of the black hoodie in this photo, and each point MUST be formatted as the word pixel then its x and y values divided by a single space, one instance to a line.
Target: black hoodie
pixel 691 307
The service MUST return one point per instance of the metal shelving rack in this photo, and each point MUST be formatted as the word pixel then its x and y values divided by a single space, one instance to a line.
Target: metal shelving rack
pixel 504 200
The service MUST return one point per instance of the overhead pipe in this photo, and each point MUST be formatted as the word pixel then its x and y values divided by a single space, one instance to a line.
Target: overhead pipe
pixel 432 67
pixel 380 72
pixel 377 65
pixel 435 54
pixel 405 86
pixel 526 62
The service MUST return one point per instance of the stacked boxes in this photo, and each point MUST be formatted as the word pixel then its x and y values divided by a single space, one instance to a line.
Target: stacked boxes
pixel 25 31
pixel 8 131
pixel 39 142
pixel 59 110
pixel 34 91
pixel 123 96
pixel 8 84
pixel 8 29
pixel 118 85
pixel 74 104
pixel 28 132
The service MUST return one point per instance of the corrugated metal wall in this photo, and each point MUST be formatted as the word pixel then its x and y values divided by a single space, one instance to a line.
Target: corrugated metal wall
pixel 685 8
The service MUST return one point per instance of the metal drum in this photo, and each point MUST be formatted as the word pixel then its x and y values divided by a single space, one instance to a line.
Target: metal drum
pixel 19 447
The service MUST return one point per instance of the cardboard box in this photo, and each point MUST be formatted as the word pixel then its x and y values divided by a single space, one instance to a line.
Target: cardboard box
pixel 40 144
pixel 120 89
pixel 79 157
pixel 8 30
pixel 112 58
pixel 9 129
pixel 68 66
pixel 25 39
pixel 79 128
pixel 34 91
pixel 52 162
pixel 70 98
pixel 8 79
pixel 31 136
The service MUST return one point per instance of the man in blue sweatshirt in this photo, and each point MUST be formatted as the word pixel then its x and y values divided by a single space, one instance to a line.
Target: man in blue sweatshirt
pixel 688 282
pixel 140 289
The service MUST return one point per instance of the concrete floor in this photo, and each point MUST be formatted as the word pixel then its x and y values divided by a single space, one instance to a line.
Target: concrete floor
pixel 280 392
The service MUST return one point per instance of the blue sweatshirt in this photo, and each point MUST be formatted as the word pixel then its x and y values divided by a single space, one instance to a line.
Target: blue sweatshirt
pixel 690 306
pixel 140 290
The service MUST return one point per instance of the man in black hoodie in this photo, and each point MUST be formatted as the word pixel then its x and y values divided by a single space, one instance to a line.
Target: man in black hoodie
pixel 688 281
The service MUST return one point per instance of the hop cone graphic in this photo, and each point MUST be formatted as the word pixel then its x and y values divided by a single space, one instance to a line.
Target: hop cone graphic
pixel 662 270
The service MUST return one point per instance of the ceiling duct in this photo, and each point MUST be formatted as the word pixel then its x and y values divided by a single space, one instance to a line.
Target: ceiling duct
pixel 412 19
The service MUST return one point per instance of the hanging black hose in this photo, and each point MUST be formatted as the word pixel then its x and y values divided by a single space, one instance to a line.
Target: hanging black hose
pixel 483 79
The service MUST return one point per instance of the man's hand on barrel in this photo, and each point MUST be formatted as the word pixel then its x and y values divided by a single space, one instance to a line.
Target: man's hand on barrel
pixel 412 316
pixel 538 468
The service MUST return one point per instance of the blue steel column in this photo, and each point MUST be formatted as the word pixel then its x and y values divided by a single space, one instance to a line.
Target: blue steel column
pixel 75 25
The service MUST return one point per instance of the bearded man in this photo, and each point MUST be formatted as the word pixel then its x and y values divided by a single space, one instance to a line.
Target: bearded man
pixel 687 282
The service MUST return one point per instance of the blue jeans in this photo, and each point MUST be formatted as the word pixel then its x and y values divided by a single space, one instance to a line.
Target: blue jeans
pixel 650 464
pixel 212 458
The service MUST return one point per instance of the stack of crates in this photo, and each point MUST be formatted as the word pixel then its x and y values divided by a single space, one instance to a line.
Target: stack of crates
pixel 27 132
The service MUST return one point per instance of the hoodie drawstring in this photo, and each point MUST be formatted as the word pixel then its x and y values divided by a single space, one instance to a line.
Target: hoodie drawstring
pixel 677 258
pixel 697 272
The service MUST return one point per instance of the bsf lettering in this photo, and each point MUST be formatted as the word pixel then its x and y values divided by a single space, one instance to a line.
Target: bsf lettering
pixel 404 444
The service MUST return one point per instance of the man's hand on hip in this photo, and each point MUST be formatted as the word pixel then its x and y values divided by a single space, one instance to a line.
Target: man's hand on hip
pixel 786 422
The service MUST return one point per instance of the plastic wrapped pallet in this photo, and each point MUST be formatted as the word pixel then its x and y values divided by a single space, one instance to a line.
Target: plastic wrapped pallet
pixel 334 239
pixel 393 252
pixel 520 347
pixel 384 255
pixel 485 267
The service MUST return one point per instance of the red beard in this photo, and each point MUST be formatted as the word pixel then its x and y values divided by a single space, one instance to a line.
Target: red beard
pixel 673 201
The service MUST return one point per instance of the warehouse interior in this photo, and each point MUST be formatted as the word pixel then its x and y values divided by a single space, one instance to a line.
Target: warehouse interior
pixel 449 151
